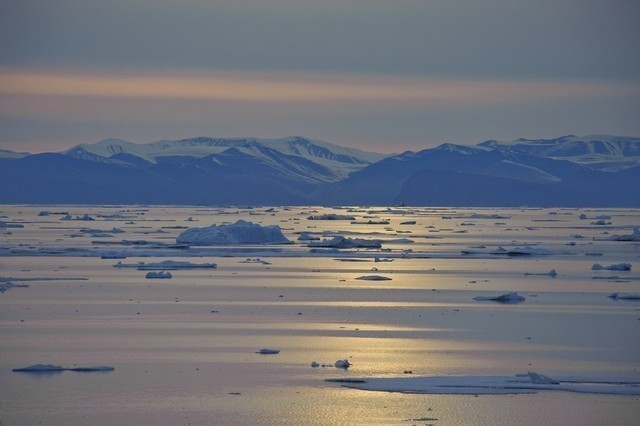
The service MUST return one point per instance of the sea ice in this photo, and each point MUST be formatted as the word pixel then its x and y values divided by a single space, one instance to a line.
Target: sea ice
pixel 496 385
pixel 342 242
pixel 48 368
pixel 267 351
pixel 373 278
pixel 10 225
pixel 170 265
pixel 614 267
pixel 37 368
pixel 551 273
pixel 159 274
pixel 512 297
pixel 92 368
pixel 305 236
pixel 331 216
pixel 241 232
pixel 625 296
pixel 635 236
pixel 342 363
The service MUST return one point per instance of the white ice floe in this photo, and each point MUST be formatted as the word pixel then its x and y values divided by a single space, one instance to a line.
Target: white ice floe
pixel 512 297
pixel 342 363
pixel 625 296
pixel 92 368
pixel 522 251
pixel 166 265
pixel 50 368
pixel 635 236
pixel 373 278
pixel 379 259
pixel 267 351
pixel 496 385
pixel 551 273
pixel 370 222
pixel 37 368
pixel 614 267
pixel 305 236
pixel 331 216
pixel 10 225
pixel 84 217
pixel 486 216
pixel 4 286
pixel 346 242
pixel 255 260
pixel 241 232
pixel 158 275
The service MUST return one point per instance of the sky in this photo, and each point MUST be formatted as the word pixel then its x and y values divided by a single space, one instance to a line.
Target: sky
pixel 378 75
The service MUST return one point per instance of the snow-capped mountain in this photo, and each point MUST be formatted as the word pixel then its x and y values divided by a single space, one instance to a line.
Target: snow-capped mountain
pixel 603 152
pixel 568 171
pixel 338 160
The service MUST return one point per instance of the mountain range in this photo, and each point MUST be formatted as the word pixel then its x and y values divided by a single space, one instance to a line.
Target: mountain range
pixel 596 170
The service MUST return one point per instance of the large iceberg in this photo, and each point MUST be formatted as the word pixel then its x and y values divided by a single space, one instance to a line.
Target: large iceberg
pixel 241 232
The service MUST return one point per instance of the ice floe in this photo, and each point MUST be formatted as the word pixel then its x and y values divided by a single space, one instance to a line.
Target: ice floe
pixel 4 286
pixel 625 296
pixel 166 265
pixel 342 363
pixel 50 368
pixel 373 278
pixel 10 225
pixel 512 297
pixel 305 236
pixel 84 217
pixel 551 273
pixel 530 382
pixel 346 242
pixel 331 216
pixel 241 232
pixel 635 236
pixel 267 351
pixel 158 275
pixel 614 267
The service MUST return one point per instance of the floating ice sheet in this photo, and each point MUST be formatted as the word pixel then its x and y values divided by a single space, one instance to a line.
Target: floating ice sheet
pixel 497 385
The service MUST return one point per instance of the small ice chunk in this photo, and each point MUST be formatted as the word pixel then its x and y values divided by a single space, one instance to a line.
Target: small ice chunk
pixel 614 267
pixel 342 363
pixel 552 273
pixel 315 364
pixel 267 351
pixel 331 216
pixel 346 243
pixel 373 278
pixel 539 379
pixel 40 368
pixel 512 297
pixel 159 275
pixel 625 296
pixel 305 236
pixel 92 368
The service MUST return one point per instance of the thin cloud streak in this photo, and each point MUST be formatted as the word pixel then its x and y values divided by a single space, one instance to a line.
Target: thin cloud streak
pixel 298 88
